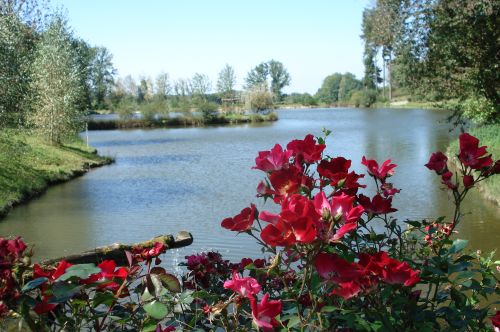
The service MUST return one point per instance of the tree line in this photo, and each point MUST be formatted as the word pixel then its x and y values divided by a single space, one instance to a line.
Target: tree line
pixel 49 77
pixel 436 50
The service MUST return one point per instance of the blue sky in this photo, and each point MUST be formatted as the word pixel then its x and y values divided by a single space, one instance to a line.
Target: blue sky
pixel 312 38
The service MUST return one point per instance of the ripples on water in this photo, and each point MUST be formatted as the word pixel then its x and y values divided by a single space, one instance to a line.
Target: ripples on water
pixel 166 180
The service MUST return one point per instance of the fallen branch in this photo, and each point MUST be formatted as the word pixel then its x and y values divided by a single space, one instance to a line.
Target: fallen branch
pixel 116 251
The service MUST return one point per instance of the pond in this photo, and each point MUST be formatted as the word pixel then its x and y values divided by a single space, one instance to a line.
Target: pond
pixel 167 180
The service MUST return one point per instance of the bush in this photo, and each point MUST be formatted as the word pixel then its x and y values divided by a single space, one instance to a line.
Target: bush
pixel 259 99
pixel 335 260
pixel 364 98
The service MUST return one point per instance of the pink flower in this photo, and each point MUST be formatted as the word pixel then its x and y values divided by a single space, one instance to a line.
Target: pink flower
pixel 306 150
pixel 341 208
pixel 385 170
pixel 264 313
pixel 437 163
pixel 471 154
pixel 242 221
pixel 273 160
pixel 247 287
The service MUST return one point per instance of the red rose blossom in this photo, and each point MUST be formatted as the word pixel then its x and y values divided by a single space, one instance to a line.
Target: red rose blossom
pixel 242 221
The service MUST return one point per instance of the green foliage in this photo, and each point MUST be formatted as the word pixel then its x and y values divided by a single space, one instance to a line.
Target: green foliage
pixel 364 98
pixel 438 50
pixel 226 82
pixel 272 70
pixel 338 88
pixel 259 99
pixel 279 77
pixel 16 54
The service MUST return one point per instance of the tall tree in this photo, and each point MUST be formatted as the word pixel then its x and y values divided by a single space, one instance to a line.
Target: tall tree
pixel 201 85
pixel 102 75
pixel 226 82
pixel 16 55
pixel 329 91
pixel 257 76
pixel 372 73
pixel 279 78
pixel 57 82
pixel 163 87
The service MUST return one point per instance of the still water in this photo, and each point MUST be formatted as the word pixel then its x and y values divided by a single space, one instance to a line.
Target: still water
pixel 167 180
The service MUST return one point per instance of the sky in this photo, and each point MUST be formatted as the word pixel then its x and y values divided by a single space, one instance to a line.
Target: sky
pixel 312 39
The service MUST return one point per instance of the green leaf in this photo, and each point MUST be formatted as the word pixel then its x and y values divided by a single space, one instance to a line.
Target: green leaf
pixel 81 271
pixel 413 223
pixel 170 282
pixel 150 327
pixel 34 284
pixel 457 246
pixel 328 309
pixel 459 267
pixel 63 291
pixel 105 298
pixel 154 284
pixel 156 309
pixel 293 320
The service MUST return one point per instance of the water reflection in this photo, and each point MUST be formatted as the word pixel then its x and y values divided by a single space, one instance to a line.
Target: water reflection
pixel 166 180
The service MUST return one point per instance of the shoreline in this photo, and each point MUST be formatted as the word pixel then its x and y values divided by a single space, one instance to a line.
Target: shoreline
pixel 27 175
pixel 113 124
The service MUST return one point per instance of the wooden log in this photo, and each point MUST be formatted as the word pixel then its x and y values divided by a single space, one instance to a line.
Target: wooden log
pixel 116 251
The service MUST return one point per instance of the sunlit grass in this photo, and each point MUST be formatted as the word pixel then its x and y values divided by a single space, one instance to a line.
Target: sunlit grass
pixel 28 164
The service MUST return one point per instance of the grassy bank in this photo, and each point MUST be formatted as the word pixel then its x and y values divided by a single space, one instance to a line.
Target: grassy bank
pixel 28 165
pixel 490 136
pixel 184 121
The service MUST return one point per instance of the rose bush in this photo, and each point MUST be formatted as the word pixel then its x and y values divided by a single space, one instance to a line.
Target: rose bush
pixel 334 259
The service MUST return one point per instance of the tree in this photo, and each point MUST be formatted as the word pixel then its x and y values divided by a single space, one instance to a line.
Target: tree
pixel 272 70
pixel 145 89
pixel 259 98
pixel 226 82
pixel 16 55
pixel 102 75
pixel 57 82
pixel 372 73
pixel 201 85
pixel 279 77
pixel 329 91
pixel 257 77
pixel 163 87
pixel 348 84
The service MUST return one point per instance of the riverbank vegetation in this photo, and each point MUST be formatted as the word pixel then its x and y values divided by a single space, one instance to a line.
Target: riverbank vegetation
pixel 417 43
pixel 29 164
pixel 182 121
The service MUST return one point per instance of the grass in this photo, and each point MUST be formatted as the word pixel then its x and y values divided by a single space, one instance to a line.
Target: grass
pixel 182 121
pixel 29 164
pixel 488 135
